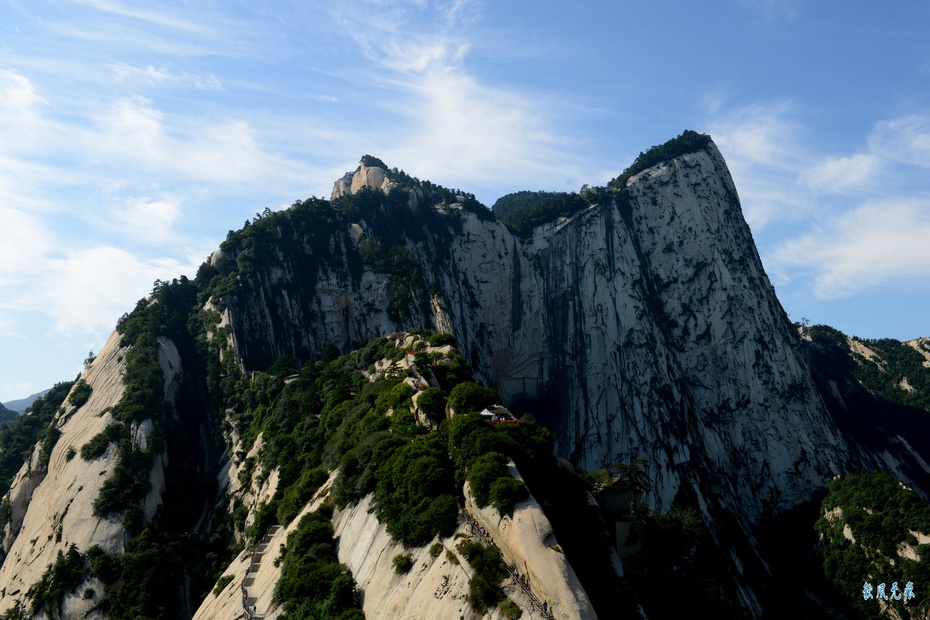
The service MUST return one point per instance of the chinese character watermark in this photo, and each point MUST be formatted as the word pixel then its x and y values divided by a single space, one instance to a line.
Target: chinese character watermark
pixel 896 594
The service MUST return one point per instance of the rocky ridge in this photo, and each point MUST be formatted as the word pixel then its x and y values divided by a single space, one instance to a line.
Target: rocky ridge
pixel 52 503
pixel 645 322
pixel 642 326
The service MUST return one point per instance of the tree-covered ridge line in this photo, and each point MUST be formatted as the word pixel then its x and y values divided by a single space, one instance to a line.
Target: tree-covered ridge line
pixel 308 228
pixel 870 523
pixel 894 370
pixel 7 415
pixel 688 142
pixel 360 415
pixel 151 576
pixel 311 239
pixel 524 211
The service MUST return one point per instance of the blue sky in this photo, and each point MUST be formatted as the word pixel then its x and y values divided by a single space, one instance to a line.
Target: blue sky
pixel 134 135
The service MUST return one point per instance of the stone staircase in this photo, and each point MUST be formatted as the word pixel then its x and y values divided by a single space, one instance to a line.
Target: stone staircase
pixel 249 602
pixel 541 607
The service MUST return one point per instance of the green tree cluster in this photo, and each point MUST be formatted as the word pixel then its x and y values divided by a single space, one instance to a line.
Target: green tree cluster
pixel 491 483
pixel 313 584
pixel 98 444
pixel 523 211
pixel 469 397
pixel 402 563
pixel 484 589
pixel 80 393
pixel 432 402
pixel 881 514
pixel 688 142
pixel 60 579
pixel 415 492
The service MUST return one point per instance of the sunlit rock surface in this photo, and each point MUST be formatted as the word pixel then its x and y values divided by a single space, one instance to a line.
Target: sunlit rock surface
pixel 648 327
pixel 52 508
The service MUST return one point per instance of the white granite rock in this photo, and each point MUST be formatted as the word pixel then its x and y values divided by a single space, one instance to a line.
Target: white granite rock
pixel 53 509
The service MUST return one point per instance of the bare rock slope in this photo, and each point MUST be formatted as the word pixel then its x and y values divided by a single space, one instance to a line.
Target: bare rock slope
pixel 52 502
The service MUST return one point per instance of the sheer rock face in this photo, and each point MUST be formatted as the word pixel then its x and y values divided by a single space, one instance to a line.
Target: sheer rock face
pixel 648 327
pixel 53 504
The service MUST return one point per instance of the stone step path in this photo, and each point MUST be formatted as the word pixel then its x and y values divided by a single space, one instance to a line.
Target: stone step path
pixel 481 533
pixel 249 603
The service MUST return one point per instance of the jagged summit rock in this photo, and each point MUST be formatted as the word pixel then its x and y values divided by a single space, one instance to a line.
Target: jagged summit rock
pixel 371 172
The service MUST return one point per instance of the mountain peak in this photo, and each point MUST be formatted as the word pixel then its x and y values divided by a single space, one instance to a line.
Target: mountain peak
pixel 371 172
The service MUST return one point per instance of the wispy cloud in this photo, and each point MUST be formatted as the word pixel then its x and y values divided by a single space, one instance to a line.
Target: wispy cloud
pixel 876 243
pixel 86 290
pixel 843 175
pixel 761 145
pixel 136 132
pixel 153 17
pixel 905 139
pixel 761 133
pixel 161 76
pixel 857 221
pixel 149 220
pixel 21 113
pixel 456 128
pixel 69 181
pixel 25 244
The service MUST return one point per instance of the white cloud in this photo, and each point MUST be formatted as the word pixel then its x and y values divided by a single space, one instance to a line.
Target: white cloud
pixel 157 17
pixel 760 144
pixel 149 74
pixel 22 125
pixel 18 94
pixel 859 220
pixel 86 290
pixel 454 128
pixel 25 242
pixel 464 129
pixel 161 76
pixel 134 128
pixel 905 139
pixel 763 133
pixel 781 176
pixel 135 131
pixel 841 175
pixel 147 219
pixel 874 244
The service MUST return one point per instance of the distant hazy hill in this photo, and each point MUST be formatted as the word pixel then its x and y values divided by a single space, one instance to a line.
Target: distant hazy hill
pixel 19 406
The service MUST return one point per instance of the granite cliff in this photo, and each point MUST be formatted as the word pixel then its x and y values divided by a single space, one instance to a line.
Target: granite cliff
pixel 642 326
pixel 637 326
pixel 645 321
